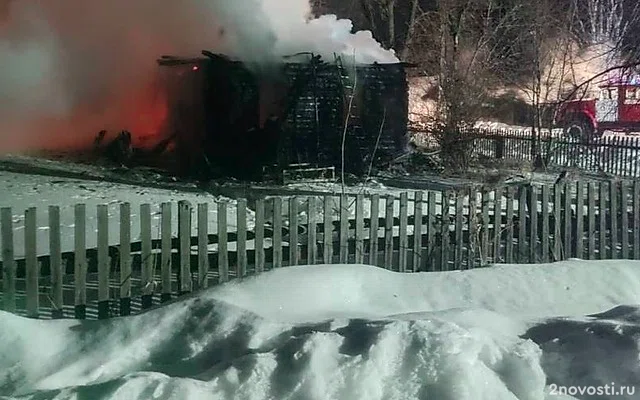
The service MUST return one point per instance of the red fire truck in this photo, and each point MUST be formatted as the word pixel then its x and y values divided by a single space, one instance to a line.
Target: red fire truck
pixel 617 108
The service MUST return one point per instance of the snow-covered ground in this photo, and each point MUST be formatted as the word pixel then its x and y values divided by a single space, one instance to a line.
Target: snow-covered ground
pixel 350 332
pixel 22 191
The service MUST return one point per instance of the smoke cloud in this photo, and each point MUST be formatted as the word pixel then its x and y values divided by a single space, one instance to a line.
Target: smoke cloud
pixel 72 68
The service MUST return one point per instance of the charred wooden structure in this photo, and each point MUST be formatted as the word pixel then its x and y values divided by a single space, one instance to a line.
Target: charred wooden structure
pixel 234 119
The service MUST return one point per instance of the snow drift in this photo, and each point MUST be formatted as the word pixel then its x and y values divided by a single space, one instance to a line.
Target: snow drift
pixel 342 332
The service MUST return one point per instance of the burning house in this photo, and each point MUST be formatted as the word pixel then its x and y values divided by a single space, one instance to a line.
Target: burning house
pixel 230 118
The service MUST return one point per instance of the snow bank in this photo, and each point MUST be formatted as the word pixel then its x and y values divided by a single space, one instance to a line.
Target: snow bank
pixel 341 332
pixel 524 292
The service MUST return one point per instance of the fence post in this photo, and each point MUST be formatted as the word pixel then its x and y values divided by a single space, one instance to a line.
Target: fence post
pixel 417 231
pixel 8 261
pixel 373 229
pixel 103 261
pixel 388 233
pixel 80 270
pixel 277 232
pixel 403 242
pixel 259 240
pixel 533 226
pixel 591 216
pixel 125 259
pixel 166 250
pixel 57 272
pixel 602 220
pixel 580 219
pixel 484 241
pixel 146 276
pixel 344 229
pixel 241 248
pixel 223 254
pixel 613 207
pixel 545 223
pixel 203 245
pixel 294 255
pixel 444 231
pixel 497 223
pixel 359 256
pixel 32 274
pixel 184 249
pixel 509 221
pixel 431 230
pixel 327 252
pixel 459 218
pixel 522 225
pixel 312 227
pixel 624 208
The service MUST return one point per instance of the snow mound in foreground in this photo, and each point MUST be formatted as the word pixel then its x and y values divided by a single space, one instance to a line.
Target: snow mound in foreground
pixel 340 332
pixel 206 349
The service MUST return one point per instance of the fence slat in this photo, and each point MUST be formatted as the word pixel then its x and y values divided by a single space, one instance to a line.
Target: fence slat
pixel 533 223
pixel 373 229
pixel 359 229
pixel 327 237
pixel 636 219
pixel 591 221
pixel 613 207
pixel 293 231
pixel 403 240
pixel 203 245
pixel 223 248
pixel 388 232
pixel 125 259
pixel 80 267
pixel 545 223
pixel 184 240
pixel 57 273
pixel 417 231
pixel 522 226
pixel 431 231
pixel 8 261
pixel 344 229
pixel 558 247
pixel 472 228
pixel 580 220
pixel 484 240
pixel 509 221
pixel 32 274
pixel 241 216
pixel 602 220
pixel 260 259
pixel 497 223
pixel 277 232
pixel 445 231
pixel 459 221
pixel 104 270
pixel 568 216
pixel 165 249
pixel 624 209
pixel 146 277
pixel 312 241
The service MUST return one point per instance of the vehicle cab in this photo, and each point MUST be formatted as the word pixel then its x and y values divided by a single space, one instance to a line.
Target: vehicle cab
pixel 616 108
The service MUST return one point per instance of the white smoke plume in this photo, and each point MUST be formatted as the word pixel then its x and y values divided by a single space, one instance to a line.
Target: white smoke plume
pixel 71 68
